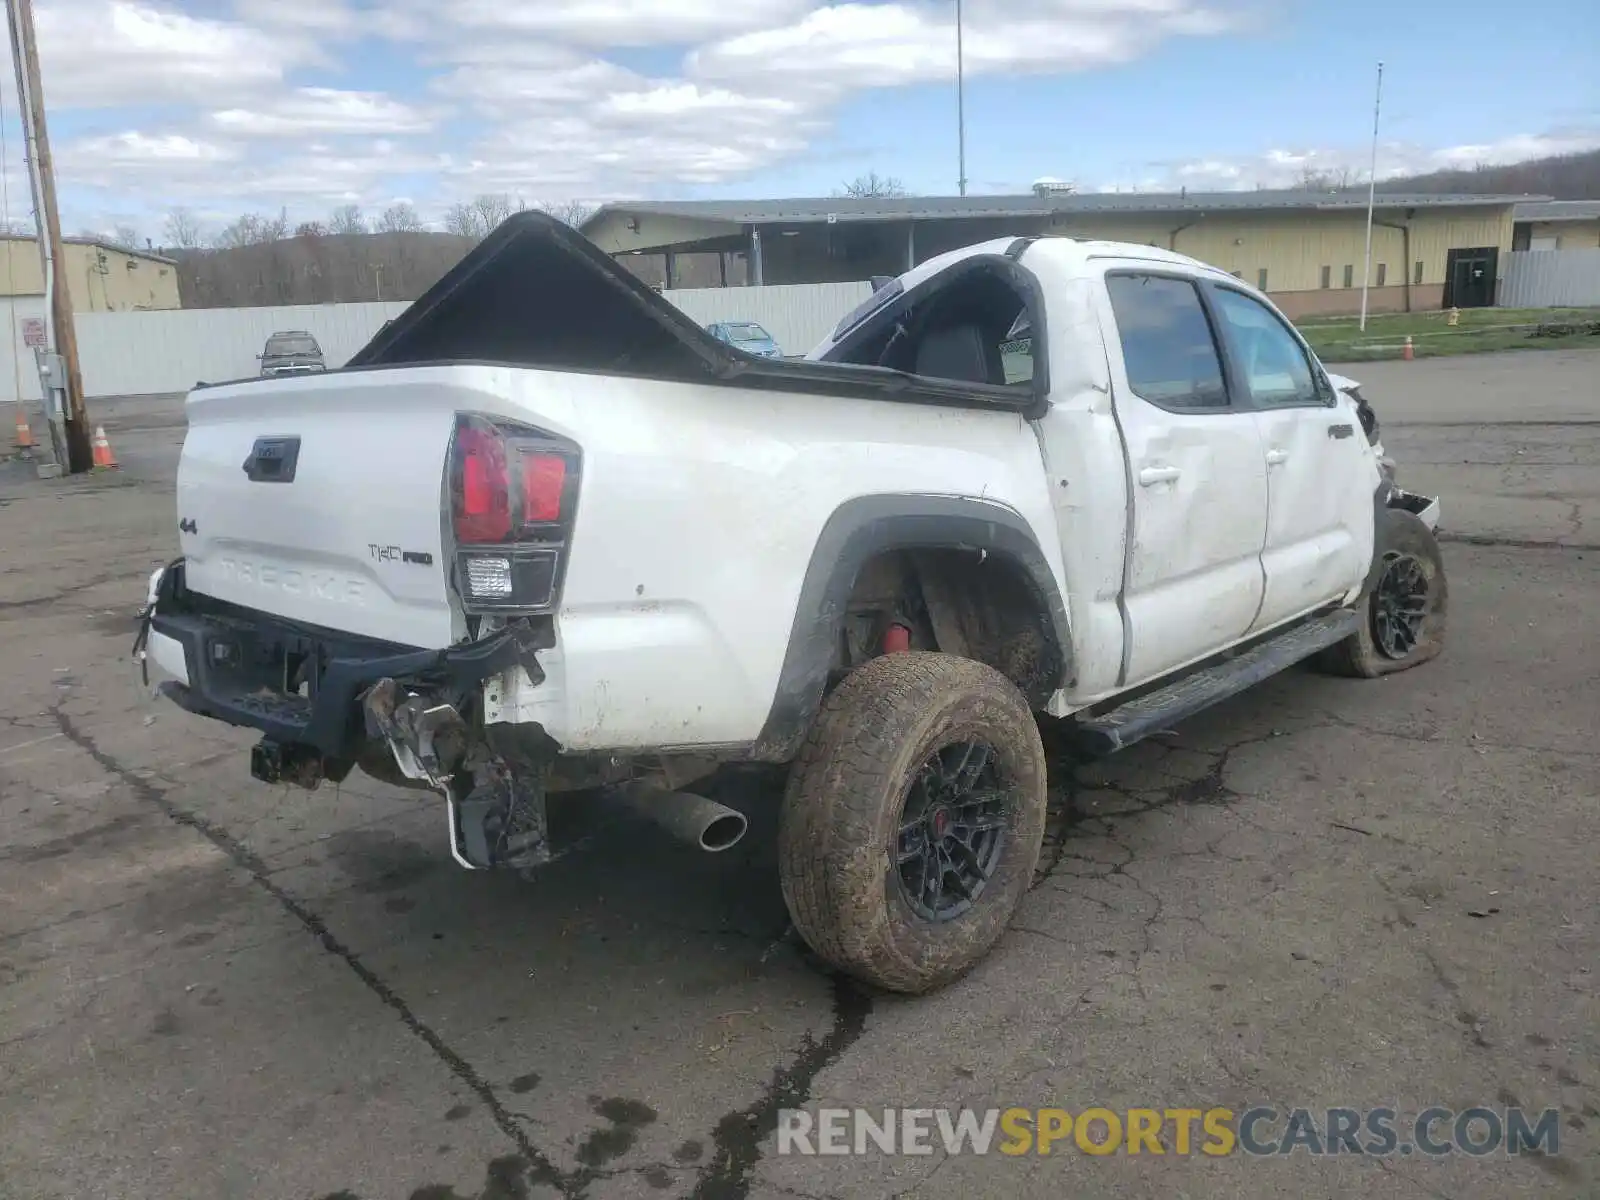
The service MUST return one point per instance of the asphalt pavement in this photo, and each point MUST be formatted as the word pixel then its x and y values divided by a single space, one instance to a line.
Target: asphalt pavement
pixel 1325 893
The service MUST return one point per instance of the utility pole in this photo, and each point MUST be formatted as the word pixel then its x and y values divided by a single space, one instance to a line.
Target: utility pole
pixel 80 455
pixel 961 103
pixel 1372 187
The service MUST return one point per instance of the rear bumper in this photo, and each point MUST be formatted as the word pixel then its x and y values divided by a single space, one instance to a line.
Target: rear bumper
pixel 301 685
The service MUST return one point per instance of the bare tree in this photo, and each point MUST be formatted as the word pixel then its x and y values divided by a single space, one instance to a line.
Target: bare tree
pixel 479 217
pixel 573 212
pixel 125 236
pixel 492 209
pixel 874 185
pixel 1313 179
pixel 399 218
pixel 310 229
pixel 253 229
pixel 461 220
pixel 348 219
pixel 182 230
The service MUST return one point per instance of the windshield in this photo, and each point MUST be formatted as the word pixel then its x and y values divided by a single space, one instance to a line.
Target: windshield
pixel 291 345
pixel 748 333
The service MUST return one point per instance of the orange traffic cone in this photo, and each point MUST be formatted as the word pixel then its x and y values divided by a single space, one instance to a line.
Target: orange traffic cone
pixel 102 449
pixel 24 433
pixel 1406 354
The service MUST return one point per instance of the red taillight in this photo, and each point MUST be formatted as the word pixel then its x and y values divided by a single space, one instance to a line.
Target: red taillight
pixel 544 478
pixel 483 503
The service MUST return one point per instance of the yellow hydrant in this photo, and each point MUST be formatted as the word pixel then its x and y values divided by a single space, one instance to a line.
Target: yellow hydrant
pixel 1454 318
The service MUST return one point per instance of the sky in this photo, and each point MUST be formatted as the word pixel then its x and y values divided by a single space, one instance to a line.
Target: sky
pixel 229 106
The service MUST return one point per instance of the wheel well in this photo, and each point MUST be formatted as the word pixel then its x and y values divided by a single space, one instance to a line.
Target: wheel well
pixel 971 603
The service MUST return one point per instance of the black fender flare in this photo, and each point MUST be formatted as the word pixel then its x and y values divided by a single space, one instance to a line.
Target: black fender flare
pixel 866 526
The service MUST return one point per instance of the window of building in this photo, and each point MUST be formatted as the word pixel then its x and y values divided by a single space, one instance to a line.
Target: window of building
pixel 1275 367
pixel 1327 277
pixel 1349 275
pixel 1417 278
pixel 1167 347
pixel 1383 274
pixel 1261 278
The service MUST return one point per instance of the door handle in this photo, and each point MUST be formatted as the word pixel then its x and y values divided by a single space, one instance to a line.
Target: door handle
pixel 1150 476
pixel 1277 457
pixel 1340 431
pixel 272 460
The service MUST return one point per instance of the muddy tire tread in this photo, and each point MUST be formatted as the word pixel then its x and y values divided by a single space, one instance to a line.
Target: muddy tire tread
pixel 831 852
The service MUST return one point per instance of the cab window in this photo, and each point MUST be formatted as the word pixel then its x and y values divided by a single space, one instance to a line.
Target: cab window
pixel 1167 346
pixel 1270 358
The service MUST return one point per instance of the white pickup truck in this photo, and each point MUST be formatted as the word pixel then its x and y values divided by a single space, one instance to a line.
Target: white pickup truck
pixel 545 534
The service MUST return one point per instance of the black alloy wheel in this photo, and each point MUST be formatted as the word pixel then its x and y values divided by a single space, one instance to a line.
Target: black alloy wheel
pixel 952 831
pixel 1400 606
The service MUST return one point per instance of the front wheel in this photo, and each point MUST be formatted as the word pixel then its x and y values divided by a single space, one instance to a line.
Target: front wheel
pixel 1403 613
pixel 913 819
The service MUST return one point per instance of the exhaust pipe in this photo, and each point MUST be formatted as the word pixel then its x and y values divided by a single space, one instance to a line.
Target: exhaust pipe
pixel 693 819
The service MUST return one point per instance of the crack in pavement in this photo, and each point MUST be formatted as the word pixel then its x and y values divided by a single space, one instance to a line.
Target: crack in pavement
pixel 737 1137
pixel 542 1170
pixel 1510 543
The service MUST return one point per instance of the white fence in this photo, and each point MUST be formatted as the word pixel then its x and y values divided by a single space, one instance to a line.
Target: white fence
pixel 1550 279
pixel 136 353
pixel 798 316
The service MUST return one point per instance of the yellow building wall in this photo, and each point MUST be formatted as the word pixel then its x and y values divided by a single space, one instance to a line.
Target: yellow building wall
pixel 1294 247
pixel 97 279
pixel 1574 235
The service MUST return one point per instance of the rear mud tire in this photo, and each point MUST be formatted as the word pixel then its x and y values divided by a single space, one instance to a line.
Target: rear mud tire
pixel 1409 558
pixel 863 773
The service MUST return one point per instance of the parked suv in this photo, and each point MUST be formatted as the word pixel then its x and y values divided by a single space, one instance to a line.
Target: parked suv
pixel 291 352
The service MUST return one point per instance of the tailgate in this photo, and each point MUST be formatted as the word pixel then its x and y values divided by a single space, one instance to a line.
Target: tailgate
pixel 319 499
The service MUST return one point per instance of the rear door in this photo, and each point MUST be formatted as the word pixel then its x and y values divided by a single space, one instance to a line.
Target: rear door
pixel 1192 576
pixel 1321 473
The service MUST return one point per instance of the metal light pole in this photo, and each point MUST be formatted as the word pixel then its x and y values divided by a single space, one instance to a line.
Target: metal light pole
pixel 961 102
pixel 1372 187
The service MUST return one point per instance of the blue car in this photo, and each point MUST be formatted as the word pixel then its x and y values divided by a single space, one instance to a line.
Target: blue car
pixel 746 336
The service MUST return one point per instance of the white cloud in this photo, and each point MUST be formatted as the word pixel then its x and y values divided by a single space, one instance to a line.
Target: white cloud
pixel 856 45
pixel 1284 168
pixel 597 23
pixel 139 151
pixel 329 18
pixel 102 53
pixel 315 110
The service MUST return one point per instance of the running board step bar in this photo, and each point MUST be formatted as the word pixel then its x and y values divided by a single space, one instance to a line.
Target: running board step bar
pixel 1157 710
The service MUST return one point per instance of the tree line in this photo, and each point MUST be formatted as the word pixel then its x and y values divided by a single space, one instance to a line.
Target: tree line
pixel 262 259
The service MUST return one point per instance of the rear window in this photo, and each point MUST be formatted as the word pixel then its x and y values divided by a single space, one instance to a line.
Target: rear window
pixel 747 333
pixel 292 345
pixel 1167 346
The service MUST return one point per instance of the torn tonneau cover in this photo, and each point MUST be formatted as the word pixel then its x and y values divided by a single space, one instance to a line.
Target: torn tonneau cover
pixel 537 293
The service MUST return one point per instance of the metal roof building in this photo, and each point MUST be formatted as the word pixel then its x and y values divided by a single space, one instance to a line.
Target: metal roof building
pixel 1307 248
pixel 1556 225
